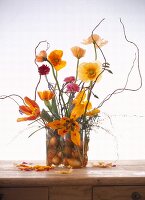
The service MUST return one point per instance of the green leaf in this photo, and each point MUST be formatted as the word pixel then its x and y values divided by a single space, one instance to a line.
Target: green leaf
pixel 109 71
pixel 47 104
pixel 54 107
pixel 44 115
pixel 95 95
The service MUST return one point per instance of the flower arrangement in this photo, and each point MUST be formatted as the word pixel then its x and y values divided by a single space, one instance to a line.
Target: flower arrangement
pixel 68 115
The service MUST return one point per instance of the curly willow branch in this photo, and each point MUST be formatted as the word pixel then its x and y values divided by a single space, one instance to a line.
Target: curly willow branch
pixel 119 90
pixel 47 47
pixel 95 41
pixel 37 86
pixel 10 96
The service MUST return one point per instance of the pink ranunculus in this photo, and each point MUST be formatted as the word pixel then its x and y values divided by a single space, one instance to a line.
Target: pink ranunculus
pixel 69 79
pixel 72 87
pixel 43 70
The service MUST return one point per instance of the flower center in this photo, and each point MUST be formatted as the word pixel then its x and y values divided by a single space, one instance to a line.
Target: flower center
pixel 55 61
pixel 91 73
pixel 35 112
pixel 70 124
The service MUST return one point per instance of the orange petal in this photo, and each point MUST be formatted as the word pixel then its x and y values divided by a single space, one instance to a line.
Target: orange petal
pixel 77 111
pixel 26 118
pixel 46 95
pixel 60 66
pixel 104 165
pixel 78 52
pixel 59 53
pixel 25 109
pixel 55 56
pixel 62 131
pixel 41 56
pixel 56 124
pixel 31 103
pixel 80 97
pixel 39 59
pixel 75 137
pixel 89 106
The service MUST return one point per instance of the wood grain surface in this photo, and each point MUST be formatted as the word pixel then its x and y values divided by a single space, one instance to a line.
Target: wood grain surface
pixel 119 193
pixel 125 173
pixel 123 182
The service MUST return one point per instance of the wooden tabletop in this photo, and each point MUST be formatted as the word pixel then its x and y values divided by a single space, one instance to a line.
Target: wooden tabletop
pixel 124 173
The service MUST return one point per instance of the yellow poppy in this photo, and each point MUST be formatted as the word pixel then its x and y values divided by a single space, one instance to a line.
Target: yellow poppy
pixel 55 59
pixel 46 95
pixel 89 71
pixel 31 109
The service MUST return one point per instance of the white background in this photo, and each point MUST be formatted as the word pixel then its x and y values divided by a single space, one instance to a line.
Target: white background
pixel 65 24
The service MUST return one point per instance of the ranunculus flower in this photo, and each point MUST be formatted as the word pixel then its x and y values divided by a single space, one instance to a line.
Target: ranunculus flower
pixel 78 52
pixel 55 59
pixel 43 70
pixel 72 87
pixel 42 56
pixel 100 42
pixel 89 71
pixel 69 79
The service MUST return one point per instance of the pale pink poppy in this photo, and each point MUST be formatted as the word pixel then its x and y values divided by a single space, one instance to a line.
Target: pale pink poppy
pixel 97 39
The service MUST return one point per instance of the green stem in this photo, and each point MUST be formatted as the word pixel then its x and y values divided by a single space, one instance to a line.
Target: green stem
pixel 95 49
pixel 49 106
pixel 88 100
pixel 55 77
pixel 77 69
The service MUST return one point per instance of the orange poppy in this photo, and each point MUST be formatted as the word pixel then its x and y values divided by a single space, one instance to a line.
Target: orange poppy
pixel 78 52
pixel 42 56
pixel 55 59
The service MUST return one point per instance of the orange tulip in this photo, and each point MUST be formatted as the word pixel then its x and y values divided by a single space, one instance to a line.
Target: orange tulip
pixel 31 109
pixel 46 95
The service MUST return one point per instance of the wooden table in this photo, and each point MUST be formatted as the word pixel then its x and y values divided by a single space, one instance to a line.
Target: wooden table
pixel 126 181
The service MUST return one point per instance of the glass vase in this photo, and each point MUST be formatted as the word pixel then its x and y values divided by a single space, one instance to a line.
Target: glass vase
pixel 61 151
